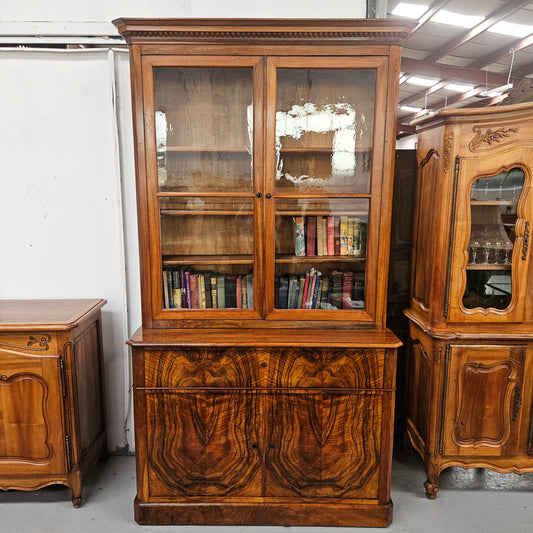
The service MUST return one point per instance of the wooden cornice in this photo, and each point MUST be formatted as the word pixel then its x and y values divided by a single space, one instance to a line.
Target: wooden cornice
pixel 256 31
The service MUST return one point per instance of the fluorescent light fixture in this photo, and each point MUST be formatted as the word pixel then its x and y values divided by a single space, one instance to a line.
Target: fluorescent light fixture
pixel 412 11
pixel 497 91
pixel 410 108
pixel 424 82
pixel 458 87
pixel 456 19
pixel 512 29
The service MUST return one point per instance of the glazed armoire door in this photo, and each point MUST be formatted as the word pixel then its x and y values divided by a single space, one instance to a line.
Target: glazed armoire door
pixel 203 118
pixel 490 260
pixel 324 187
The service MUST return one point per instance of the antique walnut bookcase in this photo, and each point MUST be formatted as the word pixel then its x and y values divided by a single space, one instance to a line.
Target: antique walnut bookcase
pixel 263 373
pixel 470 359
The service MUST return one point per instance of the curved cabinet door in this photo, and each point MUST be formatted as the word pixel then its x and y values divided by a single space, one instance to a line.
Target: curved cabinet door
pixel 483 401
pixel 31 425
pixel 490 256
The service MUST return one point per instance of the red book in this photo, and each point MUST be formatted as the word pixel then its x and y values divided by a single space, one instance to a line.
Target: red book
pixel 239 292
pixel 331 236
pixel 306 286
pixel 311 236
pixel 195 295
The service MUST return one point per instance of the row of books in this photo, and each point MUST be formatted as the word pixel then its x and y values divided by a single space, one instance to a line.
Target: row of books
pixel 184 289
pixel 329 235
pixel 339 290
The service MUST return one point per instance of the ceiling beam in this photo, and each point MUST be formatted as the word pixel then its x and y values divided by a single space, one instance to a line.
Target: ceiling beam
pixel 469 75
pixel 432 9
pixel 505 10
pixel 430 90
pixel 447 102
pixel 502 52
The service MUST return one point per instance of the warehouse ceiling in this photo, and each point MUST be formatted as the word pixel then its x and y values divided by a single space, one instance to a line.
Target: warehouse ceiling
pixel 464 53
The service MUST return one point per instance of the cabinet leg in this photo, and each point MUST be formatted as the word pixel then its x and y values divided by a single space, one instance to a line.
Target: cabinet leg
pixel 75 489
pixel 76 501
pixel 432 483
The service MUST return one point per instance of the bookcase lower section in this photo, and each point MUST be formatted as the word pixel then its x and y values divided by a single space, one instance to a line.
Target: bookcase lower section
pixel 264 513
pixel 261 432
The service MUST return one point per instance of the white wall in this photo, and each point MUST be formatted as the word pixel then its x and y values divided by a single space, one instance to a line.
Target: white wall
pixel 67 192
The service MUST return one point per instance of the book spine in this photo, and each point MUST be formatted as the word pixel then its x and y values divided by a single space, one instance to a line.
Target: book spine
pixel 176 289
pixel 195 300
pixel 311 236
pixel 350 235
pixel 330 236
pixel 344 235
pixel 213 280
pixel 310 291
pixel 299 236
pixel 337 236
pixel 183 290
pixel 283 292
pixel 188 288
pixel 250 283
pixel 221 292
pixel 319 236
pixel 166 304
pixel 208 295
pixel 238 291
pixel 244 292
pixel 201 290
pixel 304 291
pixel 316 292
pixel 347 290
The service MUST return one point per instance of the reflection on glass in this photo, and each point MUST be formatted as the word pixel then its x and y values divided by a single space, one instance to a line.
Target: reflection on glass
pixel 320 253
pixel 324 122
pixel 493 204
pixel 204 128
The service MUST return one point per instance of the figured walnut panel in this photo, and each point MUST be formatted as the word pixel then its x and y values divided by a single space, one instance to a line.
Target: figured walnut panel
pixel 331 368
pixel 203 444
pixel 418 386
pixel 200 367
pixel 324 445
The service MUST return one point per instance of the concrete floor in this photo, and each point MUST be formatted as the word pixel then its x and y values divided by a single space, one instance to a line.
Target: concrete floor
pixel 468 501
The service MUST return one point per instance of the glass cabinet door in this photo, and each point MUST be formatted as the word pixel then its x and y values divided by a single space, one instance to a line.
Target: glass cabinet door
pixel 488 277
pixel 203 134
pixel 323 186
pixel 493 215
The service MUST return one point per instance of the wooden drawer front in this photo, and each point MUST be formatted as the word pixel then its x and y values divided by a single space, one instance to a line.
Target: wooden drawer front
pixel 307 368
pixel 324 368
pixel 200 367
pixel 30 343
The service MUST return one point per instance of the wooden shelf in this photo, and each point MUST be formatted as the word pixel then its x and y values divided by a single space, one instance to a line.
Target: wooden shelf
pixel 319 259
pixel 171 260
pixel 219 212
pixel 488 267
pixel 205 149
pixel 317 149
pixel 314 212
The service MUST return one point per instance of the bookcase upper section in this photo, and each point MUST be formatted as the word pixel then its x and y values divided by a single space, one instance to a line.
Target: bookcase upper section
pixel 264 154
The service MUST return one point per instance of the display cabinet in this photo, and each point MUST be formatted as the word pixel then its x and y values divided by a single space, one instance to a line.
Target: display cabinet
pixel 264 153
pixel 469 376
pixel 52 419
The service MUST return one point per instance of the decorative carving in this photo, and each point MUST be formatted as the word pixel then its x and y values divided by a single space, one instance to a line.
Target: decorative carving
pixel 447 152
pixel 42 342
pixel 389 36
pixel 525 242
pixel 489 137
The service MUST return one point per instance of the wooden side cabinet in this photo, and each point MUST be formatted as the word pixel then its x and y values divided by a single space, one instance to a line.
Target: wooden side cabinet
pixel 52 424
pixel 470 368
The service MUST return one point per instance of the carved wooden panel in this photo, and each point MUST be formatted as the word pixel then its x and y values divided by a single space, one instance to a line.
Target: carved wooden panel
pixel 425 226
pixel 323 445
pixel 30 413
pixel 203 443
pixel 480 410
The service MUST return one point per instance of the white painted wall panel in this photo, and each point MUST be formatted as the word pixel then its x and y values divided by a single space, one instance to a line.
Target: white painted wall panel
pixel 60 195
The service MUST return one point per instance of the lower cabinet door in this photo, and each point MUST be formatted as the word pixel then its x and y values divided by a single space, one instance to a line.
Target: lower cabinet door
pixel 483 400
pixel 32 438
pixel 203 443
pixel 323 444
